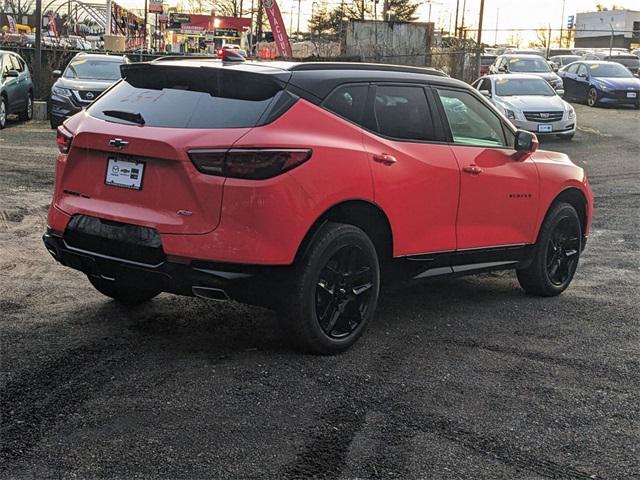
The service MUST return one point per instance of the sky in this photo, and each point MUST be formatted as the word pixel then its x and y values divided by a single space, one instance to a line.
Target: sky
pixel 510 14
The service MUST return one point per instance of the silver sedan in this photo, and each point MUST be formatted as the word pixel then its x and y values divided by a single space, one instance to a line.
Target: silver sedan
pixel 530 103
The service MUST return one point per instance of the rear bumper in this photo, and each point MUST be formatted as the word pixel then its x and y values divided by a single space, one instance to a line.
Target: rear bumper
pixel 258 285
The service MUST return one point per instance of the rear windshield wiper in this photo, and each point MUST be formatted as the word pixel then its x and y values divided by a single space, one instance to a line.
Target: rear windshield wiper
pixel 128 116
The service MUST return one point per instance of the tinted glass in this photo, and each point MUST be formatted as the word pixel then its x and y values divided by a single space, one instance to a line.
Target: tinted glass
pixel 630 61
pixel 506 87
pixel 569 59
pixel 528 64
pixel 572 68
pixel 402 112
pixel 92 69
pixel 471 121
pixel 187 98
pixel 348 101
pixel 485 85
pixel 611 70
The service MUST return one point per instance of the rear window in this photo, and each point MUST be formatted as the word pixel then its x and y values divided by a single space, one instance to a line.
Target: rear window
pixel 187 97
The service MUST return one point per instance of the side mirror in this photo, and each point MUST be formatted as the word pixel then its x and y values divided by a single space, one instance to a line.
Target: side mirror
pixel 582 75
pixel 560 92
pixel 56 74
pixel 526 144
pixel 503 69
pixel 486 93
pixel 10 74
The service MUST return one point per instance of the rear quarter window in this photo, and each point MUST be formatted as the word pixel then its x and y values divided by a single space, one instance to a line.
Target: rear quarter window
pixel 348 101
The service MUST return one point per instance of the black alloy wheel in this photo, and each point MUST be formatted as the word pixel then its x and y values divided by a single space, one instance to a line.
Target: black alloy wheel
pixel 333 289
pixel 556 253
pixel 344 292
pixel 592 97
pixel 562 251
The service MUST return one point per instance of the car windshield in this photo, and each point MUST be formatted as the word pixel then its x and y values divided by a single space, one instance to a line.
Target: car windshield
pixel 630 61
pixel 487 60
pixel 506 87
pixel 92 69
pixel 609 70
pixel 528 65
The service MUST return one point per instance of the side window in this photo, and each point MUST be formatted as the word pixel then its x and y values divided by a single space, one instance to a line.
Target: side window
pixel 348 101
pixel 573 68
pixel 485 85
pixel 402 112
pixel 5 63
pixel 582 70
pixel 19 63
pixel 471 122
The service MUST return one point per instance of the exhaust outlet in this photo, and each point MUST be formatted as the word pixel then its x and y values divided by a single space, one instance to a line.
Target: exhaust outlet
pixel 211 293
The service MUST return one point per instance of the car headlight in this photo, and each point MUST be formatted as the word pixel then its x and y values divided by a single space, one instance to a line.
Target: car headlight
pixel 572 114
pixel 64 92
pixel 602 86
pixel 509 113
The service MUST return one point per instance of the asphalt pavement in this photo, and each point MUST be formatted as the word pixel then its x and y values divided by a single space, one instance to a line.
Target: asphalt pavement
pixel 456 378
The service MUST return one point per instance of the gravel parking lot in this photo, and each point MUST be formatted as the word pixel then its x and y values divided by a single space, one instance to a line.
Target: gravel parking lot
pixel 459 378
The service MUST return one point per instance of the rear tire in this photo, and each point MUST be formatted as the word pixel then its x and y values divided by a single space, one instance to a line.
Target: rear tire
pixel 121 294
pixel 27 113
pixel 592 97
pixel 556 253
pixel 334 292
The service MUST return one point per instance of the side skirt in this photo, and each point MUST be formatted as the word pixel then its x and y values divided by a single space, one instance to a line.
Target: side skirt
pixel 464 262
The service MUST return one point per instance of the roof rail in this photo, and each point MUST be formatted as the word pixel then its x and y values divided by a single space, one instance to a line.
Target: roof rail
pixel 384 67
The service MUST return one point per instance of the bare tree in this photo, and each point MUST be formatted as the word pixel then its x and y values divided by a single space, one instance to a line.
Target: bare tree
pixel 19 8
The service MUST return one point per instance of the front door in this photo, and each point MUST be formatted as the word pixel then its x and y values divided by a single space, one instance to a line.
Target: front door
pixel 498 195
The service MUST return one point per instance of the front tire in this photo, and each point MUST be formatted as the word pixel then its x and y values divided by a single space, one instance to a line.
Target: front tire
pixel 592 97
pixel 121 294
pixel 4 110
pixel 335 290
pixel 556 253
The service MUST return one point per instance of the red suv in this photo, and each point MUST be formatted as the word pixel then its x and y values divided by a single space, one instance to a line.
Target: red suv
pixel 303 186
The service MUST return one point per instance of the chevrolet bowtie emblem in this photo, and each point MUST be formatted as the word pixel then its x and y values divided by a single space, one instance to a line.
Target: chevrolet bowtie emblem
pixel 118 143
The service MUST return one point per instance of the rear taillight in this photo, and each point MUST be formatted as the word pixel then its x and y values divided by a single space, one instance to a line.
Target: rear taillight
pixel 253 164
pixel 64 139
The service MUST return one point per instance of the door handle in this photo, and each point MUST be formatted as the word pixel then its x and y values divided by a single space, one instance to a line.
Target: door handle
pixel 472 169
pixel 385 158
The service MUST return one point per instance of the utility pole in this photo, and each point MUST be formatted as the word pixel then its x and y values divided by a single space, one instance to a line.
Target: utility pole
pixel 562 22
pixel 479 52
pixel 144 28
pixel 39 43
pixel 464 7
pixel 298 28
pixel 455 30
pixel 495 38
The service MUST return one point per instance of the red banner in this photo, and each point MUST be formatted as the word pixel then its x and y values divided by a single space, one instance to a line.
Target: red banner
pixel 277 27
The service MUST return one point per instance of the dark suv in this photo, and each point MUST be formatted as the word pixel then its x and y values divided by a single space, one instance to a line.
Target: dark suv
pixel 84 79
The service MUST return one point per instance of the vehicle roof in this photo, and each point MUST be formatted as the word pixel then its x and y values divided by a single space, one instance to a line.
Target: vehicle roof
pixel 565 55
pixel 320 78
pixel 514 76
pixel 100 56
pixel 521 55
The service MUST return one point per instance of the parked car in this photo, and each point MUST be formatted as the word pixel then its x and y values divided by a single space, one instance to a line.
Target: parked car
pixel 533 64
pixel 234 48
pixel 485 62
pixel 299 186
pixel 556 52
pixel 525 51
pixel 599 82
pixel 84 79
pixel 562 60
pixel 16 88
pixel 632 62
pixel 530 103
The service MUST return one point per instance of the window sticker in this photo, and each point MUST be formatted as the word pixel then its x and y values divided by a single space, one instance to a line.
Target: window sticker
pixel 514 60
pixel 594 66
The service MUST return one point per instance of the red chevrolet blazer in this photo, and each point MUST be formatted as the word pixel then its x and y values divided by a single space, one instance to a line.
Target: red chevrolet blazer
pixel 303 186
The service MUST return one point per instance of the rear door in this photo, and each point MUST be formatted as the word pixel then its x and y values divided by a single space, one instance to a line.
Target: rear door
pixel 498 195
pixel 570 80
pixel 416 177
pixel 23 81
pixel 11 84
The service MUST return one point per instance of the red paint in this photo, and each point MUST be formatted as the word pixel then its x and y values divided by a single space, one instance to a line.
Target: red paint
pixel 432 200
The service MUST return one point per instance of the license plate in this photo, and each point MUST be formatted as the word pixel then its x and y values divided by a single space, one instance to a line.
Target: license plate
pixel 124 173
pixel 545 128
pixel 632 94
